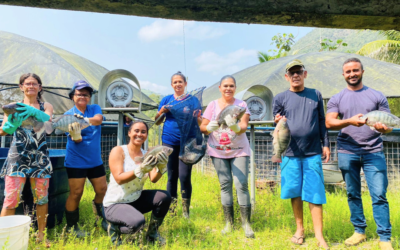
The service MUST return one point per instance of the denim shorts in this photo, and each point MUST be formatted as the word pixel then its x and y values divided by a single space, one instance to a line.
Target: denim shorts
pixel 303 177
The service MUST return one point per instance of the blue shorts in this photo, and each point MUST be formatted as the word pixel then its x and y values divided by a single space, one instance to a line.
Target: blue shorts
pixel 303 177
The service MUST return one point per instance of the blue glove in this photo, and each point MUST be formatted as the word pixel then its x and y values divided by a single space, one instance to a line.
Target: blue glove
pixel 32 111
pixel 12 123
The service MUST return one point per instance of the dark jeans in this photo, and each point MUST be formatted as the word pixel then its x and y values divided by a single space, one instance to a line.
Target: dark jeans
pixel 178 169
pixel 129 216
pixel 375 170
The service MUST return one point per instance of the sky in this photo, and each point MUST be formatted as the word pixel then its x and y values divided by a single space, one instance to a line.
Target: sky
pixel 153 49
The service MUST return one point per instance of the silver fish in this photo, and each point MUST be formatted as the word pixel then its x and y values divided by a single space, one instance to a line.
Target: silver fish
pixel 391 121
pixel 30 123
pixel 281 139
pixel 192 152
pixel 61 124
pixel 233 110
pixel 154 151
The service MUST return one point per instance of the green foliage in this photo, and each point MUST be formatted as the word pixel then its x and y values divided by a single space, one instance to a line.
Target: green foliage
pixel 263 57
pixel 383 50
pixel 394 105
pixel 283 44
pixel 391 34
pixel 273 222
pixel 329 45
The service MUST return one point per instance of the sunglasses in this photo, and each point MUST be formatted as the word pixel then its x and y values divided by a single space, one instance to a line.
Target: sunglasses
pixel 298 72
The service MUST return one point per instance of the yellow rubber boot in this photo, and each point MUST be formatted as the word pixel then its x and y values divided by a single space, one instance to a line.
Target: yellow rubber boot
pixel 385 245
pixel 355 239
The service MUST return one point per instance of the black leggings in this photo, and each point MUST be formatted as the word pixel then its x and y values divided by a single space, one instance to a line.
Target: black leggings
pixel 178 169
pixel 129 216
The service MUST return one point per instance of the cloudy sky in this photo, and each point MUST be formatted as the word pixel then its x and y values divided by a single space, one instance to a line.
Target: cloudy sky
pixel 152 49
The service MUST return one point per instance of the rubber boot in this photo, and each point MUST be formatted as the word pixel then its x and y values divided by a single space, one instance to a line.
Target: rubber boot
pixel 153 236
pixel 172 207
pixel 228 214
pixel 114 233
pixel 185 207
pixel 72 223
pixel 245 212
pixel 98 210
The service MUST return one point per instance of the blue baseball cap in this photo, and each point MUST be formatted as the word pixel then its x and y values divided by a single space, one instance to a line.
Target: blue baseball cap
pixel 80 85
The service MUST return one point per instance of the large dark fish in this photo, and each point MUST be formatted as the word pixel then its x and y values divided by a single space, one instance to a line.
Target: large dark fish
pixel 281 140
pixel 154 151
pixel 61 124
pixel 193 153
pixel 391 121
pixel 233 110
pixel 30 123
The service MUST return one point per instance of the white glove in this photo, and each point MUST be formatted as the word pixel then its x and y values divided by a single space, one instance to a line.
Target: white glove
pixel 231 123
pixel 81 117
pixel 212 126
pixel 162 160
pixel 146 166
pixel 74 130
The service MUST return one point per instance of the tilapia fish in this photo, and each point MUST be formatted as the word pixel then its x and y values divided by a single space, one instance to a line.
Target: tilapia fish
pixel 154 151
pixel 60 125
pixel 391 121
pixel 233 110
pixel 281 139
pixel 193 153
pixel 30 123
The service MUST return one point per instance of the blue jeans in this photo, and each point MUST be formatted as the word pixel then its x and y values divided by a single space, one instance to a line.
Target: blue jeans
pixel 375 170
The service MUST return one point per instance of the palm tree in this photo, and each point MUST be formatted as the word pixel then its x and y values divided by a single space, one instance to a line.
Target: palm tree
pixel 385 50
pixel 263 57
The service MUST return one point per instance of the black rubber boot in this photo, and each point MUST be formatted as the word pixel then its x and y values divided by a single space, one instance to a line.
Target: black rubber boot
pixel 245 212
pixel 153 236
pixel 172 207
pixel 114 233
pixel 185 207
pixel 98 210
pixel 72 223
pixel 228 214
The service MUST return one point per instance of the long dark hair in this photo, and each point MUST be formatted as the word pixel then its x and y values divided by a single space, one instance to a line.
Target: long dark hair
pixel 26 76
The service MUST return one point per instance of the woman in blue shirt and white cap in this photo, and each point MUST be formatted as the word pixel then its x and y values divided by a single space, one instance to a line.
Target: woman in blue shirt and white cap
pixel 83 156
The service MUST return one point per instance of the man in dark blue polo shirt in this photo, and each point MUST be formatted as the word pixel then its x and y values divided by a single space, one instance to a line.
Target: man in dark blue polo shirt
pixel 301 168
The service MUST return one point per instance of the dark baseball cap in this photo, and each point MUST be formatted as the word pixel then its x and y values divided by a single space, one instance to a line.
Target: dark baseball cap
pixel 80 85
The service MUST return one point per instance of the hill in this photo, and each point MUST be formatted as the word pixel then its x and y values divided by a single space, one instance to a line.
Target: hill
pixel 354 38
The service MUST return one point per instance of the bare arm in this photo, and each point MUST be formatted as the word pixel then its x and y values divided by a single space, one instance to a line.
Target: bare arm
pixel 116 163
pixel 5 119
pixel 48 109
pixel 96 120
pixel 154 175
pixel 203 126
pixel 162 112
pixel 335 124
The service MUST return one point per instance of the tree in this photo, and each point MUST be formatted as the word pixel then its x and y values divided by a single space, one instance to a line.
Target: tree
pixel 263 57
pixel 283 44
pixel 329 45
pixel 384 50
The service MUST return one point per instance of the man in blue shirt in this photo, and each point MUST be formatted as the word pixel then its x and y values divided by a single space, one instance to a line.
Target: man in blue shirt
pixel 360 147
pixel 301 168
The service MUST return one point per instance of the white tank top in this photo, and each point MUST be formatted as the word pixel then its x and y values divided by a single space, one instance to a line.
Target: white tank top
pixel 127 192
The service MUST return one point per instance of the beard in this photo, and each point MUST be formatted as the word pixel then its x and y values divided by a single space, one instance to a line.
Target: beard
pixel 356 83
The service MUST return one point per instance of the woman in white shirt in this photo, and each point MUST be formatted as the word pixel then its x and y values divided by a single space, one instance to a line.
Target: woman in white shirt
pixel 125 201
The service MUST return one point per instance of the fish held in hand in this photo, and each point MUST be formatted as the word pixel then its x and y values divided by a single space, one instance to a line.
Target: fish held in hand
pixel 231 110
pixel 61 124
pixel 193 152
pixel 281 139
pixel 391 121
pixel 30 123
pixel 154 151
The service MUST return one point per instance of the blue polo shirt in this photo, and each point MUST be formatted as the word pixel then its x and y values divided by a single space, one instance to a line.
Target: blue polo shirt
pixel 87 153
pixel 171 133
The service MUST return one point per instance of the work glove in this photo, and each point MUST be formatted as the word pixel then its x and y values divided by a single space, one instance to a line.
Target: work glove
pixel 74 130
pixel 212 126
pixel 232 123
pixel 32 111
pixel 146 166
pixel 81 117
pixel 162 160
pixel 12 123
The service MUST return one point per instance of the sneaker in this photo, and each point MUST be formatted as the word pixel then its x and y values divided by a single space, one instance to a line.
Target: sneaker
pixel 355 239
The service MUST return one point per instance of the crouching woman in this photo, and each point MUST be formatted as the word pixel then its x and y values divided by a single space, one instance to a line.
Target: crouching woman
pixel 126 201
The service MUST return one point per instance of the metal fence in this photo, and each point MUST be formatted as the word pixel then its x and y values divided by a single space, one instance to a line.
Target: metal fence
pixel 268 171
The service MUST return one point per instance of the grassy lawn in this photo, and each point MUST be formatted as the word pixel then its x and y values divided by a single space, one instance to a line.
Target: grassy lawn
pixel 273 223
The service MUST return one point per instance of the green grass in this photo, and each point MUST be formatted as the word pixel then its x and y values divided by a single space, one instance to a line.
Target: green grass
pixel 273 223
